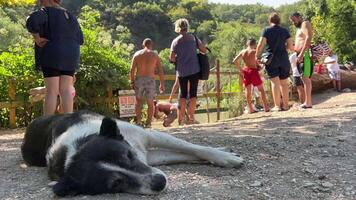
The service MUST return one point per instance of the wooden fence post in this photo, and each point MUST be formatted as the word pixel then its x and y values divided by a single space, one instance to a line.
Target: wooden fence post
pixel 12 110
pixel 218 89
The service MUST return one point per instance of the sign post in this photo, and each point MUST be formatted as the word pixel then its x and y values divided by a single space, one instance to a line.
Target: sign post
pixel 127 102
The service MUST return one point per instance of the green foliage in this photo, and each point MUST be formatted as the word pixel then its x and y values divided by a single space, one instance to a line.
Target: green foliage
pixel 148 21
pixel 168 67
pixel 230 38
pixel 104 62
pixel 331 22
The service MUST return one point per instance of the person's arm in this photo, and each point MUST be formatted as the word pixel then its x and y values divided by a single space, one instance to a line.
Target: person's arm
pixel 202 47
pixel 133 71
pixel 160 74
pixel 290 45
pixel 156 111
pixel 261 44
pixel 174 89
pixel 34 23
pixel 237 62
pixel 308 32
pixel 40 41
pixel 172 57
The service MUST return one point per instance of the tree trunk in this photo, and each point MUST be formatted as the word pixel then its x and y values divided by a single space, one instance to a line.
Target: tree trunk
pixel 322 82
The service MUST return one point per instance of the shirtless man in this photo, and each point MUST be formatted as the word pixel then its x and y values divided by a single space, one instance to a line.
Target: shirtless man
pixel 249 74
pixel 170 111
pixel 303 39
pixel 142 76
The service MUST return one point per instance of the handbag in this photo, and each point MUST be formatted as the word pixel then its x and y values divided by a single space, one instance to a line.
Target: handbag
pixel 203 63
pixel 267 57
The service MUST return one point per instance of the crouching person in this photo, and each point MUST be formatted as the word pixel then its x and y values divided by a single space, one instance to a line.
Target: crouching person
pixel 169 110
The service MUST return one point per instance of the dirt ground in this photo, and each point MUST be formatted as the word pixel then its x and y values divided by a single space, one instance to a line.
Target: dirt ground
pixel 297 154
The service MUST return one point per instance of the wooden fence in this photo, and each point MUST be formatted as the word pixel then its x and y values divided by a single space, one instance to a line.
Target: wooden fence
pixel 13 103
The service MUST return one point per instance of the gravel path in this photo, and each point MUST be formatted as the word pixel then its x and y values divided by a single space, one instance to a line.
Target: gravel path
pixel 298 154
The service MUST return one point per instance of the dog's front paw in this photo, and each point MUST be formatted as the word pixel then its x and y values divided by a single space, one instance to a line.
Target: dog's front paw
pixel 224 159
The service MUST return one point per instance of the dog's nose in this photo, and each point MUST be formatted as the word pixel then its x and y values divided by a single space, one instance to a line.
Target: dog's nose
pixel 158 182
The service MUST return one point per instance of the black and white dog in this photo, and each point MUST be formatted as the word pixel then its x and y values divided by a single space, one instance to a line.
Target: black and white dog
pixel 88 153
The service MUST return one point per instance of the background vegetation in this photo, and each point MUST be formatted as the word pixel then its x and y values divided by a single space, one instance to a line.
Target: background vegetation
pixel 114 29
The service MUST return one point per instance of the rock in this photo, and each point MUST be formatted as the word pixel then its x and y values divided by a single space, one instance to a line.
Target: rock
pixel 327 185
pixel 256 184
pixel 346 90
pixel 309 184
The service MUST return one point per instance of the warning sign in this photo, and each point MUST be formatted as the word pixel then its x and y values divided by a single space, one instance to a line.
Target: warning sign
pixel 127 102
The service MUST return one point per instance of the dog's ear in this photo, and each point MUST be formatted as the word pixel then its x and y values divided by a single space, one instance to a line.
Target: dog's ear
pixel 109 129
pixel 65 187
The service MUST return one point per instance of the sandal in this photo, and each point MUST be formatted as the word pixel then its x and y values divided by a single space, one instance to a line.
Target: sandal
pixel 303 106
pixel 276 109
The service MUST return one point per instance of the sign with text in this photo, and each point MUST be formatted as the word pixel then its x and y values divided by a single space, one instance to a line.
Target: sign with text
pixel 127 102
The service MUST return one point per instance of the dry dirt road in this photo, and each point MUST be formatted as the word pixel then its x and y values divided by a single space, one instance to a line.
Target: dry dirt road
pixel 297 154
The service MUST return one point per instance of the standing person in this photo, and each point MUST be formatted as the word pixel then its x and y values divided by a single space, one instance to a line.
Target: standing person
pixel 250 74
pixel 142 76
pixel 296 79
pixel 278 40
pixel 57 37
pixel 331 62
pixel 184 54
pixel 303 40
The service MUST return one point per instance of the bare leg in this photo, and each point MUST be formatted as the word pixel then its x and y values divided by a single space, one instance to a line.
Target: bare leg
pixel 339 85
pixel 301 93
pixel 138 110
pixel 276 92
pixel 263 97
pixel 248 90
pixel 52 87
pixel 285 93
pixel 183 105
pixel 308 90
pixel 334 84
pixel 150 111
pixel 66 93
pixel 191 109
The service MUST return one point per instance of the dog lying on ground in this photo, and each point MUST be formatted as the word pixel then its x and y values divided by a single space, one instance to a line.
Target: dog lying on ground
pixel 87 153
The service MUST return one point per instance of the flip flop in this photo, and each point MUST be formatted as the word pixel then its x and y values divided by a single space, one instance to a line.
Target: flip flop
pixel 275 109
pixel 305 106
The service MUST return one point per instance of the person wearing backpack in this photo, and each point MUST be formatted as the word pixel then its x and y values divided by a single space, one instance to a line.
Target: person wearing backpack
pixel 58 36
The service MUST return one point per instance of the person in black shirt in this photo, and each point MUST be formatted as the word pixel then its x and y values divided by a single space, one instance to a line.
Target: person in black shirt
pixel 277 40
pixel 57 37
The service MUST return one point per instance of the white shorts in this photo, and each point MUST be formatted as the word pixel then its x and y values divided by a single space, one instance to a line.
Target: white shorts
pixel 335 75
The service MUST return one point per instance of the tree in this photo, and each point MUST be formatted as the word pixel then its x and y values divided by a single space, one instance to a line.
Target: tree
pixel 333 22
pixel 148 21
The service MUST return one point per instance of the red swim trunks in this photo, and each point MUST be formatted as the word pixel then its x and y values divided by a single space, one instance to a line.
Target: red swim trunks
pixel 251 76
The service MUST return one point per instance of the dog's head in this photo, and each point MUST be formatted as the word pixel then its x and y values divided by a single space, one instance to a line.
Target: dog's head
pixel 106 163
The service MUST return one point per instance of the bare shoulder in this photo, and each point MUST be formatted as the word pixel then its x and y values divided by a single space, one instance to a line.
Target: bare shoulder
pixel 306 24
pixel 137 53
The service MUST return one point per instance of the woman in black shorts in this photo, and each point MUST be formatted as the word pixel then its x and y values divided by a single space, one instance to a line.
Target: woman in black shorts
pixel 58 37
pixel 278 40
